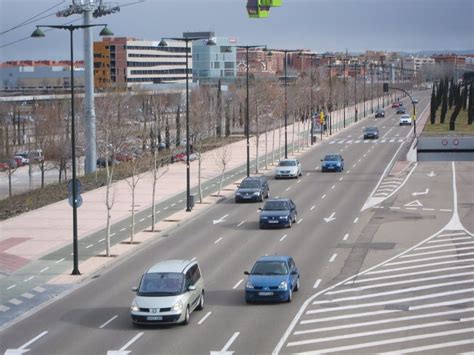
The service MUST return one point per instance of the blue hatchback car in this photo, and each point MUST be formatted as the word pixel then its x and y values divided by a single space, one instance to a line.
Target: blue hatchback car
pixel 332 162
pixel 273 278
pixel 278 213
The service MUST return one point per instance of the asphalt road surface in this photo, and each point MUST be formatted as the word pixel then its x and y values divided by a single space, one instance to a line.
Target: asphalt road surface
pixel 349 261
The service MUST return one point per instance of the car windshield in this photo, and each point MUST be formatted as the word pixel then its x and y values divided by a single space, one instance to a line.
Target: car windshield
pixel 331 157
pixel 287 163
pixel 161 284
pixel 370 129
pixel 270 268
pixel 250 184
pixel 276 206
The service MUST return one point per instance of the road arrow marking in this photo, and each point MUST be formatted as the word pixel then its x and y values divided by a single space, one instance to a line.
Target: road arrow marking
pixel 330 218
pixel 415 203
pixel 421 193
pixel 227 346
pixel 222 219
pixel 21 349
pixel 122 350
pixel 431 174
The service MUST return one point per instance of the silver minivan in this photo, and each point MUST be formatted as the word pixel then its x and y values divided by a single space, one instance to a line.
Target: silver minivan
pixel 168 293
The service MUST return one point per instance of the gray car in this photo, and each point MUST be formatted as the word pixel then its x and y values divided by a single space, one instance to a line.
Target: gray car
pixel 252 188
pixel 168 293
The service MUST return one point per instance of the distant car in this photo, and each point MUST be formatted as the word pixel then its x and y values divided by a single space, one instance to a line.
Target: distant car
pixel 278 213
pixel 401 110
pixel 395 105
pixel 168 293
pixel 182 157
pixel 101 162
pixel 272 278
pixel 8 164
pixel 400 104
pixel 253 188
pixel 20 160
pixel 371 132
pixel 405 120
pixel 332 162
pixel 290 168
pixel 415 100
pixel 380 113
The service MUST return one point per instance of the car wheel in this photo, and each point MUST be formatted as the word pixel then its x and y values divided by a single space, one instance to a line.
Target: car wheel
pixel 289 223
pixel 261 198
pixel 301 173
pixel 297 286
pixel 261 226
pixel 268 193
pixel 236 201
pixel 201 302
pixel 247 300
pixel 186 317
pixel 290 295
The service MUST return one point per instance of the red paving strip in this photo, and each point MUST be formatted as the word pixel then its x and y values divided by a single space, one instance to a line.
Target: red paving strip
pixel 11 242
pixel 10 263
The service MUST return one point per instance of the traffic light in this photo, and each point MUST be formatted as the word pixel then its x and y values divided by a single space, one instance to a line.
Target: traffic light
pixel 321 117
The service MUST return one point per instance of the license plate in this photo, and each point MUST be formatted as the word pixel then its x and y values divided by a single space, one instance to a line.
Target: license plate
pixel 265 293
pixel 247 196
pixel 154 318
pixel 272 221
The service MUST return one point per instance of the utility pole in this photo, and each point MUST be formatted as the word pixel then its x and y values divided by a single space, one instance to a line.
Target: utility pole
pixel 355 91
pixel 344 84
pixel 372 87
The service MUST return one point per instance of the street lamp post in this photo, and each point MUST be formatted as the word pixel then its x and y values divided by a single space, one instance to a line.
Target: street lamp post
pixel 344 84
pixel 355 91
pixel 71 28
pixel 163 43
pixel 365 84
pixel 330 96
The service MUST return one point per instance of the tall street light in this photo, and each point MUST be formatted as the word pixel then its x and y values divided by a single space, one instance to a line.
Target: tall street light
pixel 164 43
pixel 75 198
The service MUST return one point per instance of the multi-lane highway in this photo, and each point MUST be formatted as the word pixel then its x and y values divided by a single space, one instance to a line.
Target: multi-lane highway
pixel 360 267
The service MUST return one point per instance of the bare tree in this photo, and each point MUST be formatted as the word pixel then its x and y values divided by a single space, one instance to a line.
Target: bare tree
pixel 223 156
pixel 132 182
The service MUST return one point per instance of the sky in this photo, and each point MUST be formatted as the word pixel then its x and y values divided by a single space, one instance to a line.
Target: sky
pixel 319 25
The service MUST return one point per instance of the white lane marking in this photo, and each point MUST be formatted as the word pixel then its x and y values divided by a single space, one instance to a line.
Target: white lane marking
pixel 142 219
pixel 354 165
pixel 180 201
pixel 341 178
pixel 426 259
pixel 346 236
pixel 333 257
pixel 89 246
pixel 101 240
pixel 449 240
pixel 107 322
pixel 204 318
pixel 394 292
pixel 381 321
pixel 422 266
pixel 122 229
pixel 3 308
pixel 15 301
pixel 58 261
pixel 149 216
pixel 166 208
pixel 332 187
pixel 218 240
pixel 323 196
pixel 356 219
pixel 288 188
pixel 312 207
pixel 431 271
pixel 411 208
pixel 357 289
pixel 112 234
pixel 443 245
pixel 44 269
pixel 173 204
pixel 348 171
pixel 365 154
pixel 428 209
pixel 393 340
pixel 22 349
pixel 134 339
pixel 437 252
pixel 229 342
pixel 434 346
pixel 10 287
pixel 39 289
pixel 298 181
pixel 283 238
pixel 360 160
pixel 316 284
pixel 237 284
pixel 307 174
pixel 29 279
pixel 345 316
pixel 301 220
pixel 451 234
pixel 238 225
pixel 445 210
pixel 394 208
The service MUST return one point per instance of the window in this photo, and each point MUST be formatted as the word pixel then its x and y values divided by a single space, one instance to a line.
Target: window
pixel 189 279
pixel 229 65
pixel 195 274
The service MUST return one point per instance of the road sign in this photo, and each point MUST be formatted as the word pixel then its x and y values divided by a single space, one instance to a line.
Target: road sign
pixel 455 141
pixel 78 201
pixel 78 187
pixel 444 142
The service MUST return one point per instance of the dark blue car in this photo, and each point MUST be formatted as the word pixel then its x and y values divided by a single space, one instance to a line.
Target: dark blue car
pixel 273 278
pixel 278 213
pixel 332 162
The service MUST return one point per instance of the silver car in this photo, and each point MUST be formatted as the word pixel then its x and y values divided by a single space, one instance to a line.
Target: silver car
pixel 168 293
pixel 288 168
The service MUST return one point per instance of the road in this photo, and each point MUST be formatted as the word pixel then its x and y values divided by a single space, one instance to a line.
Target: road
pixel 94 319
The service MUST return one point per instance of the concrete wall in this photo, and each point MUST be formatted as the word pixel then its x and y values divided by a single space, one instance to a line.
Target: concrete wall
pixel 445 148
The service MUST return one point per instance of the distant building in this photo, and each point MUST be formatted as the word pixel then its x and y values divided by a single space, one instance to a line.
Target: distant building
pixel 213 63
pixel 29 75
pixel 126 62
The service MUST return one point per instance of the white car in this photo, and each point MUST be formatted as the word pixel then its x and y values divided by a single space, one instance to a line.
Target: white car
pixel 405 120
pixel 22 159
pixel 290 168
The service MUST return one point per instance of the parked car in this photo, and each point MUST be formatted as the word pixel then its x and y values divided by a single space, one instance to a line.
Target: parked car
pixel 371 132
pixel 35 155
pixel 182 157
pixel 272 278
pixel 253 188
pixel 278 213
pixel 168 293
pixel 405 120
pixel 380 113
pixel 101 162
pixel 332 162
pixel 401 110
pixel 20 160
pixel 290 168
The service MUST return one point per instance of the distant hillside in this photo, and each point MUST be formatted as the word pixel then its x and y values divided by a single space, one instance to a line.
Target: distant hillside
pixel 443 51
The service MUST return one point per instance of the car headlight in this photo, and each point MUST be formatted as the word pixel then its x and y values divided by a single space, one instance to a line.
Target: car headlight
pixel 237 193
pixel 249 285
pixel 177 307
pixel 338 164
pixel 283 217
pixel 134 307
pixel 257 193
pixel 263 217
pixel 283 285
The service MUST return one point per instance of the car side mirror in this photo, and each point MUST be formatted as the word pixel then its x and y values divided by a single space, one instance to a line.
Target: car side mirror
pixel 260 208
pixel 294 272
pixel 320 160
pixel 134 288
pixel 191 288
pixel 342 159
pixel 246 273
